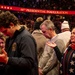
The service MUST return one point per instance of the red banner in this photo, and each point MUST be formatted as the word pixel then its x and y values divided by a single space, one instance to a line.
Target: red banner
pixel 13 8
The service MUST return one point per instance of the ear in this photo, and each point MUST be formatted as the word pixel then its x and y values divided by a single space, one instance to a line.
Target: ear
pixel 11 25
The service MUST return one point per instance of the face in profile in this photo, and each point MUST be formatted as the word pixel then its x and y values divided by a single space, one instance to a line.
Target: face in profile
pixel 45 31
pixel 73 36
pixel 6 31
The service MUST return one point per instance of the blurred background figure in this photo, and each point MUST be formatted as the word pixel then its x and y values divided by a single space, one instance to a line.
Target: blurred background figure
pixel 2 46
pixel 39 37
pixel 2 40
pixel 65 26
pixel 65 32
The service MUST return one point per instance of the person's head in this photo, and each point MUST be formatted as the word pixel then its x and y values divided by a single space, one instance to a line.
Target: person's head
pixel 48 29
pixel 7 22
pixel 39 20
pixel 65 26
pixel 72 40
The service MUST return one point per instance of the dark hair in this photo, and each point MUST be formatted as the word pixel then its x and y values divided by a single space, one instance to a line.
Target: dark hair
pixel 37 25
pixel 6 18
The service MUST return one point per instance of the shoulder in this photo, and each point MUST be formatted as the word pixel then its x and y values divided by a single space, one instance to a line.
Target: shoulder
pixel 59 41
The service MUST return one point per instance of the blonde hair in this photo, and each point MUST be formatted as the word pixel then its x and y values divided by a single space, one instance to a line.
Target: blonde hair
pixel 2 36
pixel 39 19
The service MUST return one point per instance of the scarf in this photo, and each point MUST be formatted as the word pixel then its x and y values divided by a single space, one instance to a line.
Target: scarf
pixel 72 46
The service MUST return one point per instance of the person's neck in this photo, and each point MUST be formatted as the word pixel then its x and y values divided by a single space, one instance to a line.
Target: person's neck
pixel 17 27
pixel 54 34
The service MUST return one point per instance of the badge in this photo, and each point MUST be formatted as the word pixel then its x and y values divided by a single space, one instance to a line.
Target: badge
pixel 14 45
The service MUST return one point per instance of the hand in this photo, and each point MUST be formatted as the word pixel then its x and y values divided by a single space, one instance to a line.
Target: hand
pixel 51 44
pixel 3 57
pixel 40 71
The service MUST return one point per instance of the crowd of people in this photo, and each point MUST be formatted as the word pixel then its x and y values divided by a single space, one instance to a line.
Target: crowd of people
pixel 49 49
pixel 37 44
pixel 42 4
pixel 29 18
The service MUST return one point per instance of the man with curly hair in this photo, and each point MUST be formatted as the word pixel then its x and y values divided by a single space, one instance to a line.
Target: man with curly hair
pixel 20 54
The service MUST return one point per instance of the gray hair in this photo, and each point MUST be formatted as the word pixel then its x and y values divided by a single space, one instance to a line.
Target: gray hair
pixel 49 24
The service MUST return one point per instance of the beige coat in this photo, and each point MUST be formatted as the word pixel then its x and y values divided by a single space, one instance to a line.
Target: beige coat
pixel 40 41
pixel 49 62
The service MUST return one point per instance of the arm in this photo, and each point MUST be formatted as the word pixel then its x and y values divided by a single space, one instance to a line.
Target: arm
pixel 58 53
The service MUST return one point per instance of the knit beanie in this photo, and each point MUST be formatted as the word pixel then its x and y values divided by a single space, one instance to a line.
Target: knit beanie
pixel 65 24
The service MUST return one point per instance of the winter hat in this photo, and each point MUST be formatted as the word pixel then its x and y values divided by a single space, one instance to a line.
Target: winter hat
pixel 65 24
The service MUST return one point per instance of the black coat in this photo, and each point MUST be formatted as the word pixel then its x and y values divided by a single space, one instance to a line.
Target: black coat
pixel 22 53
